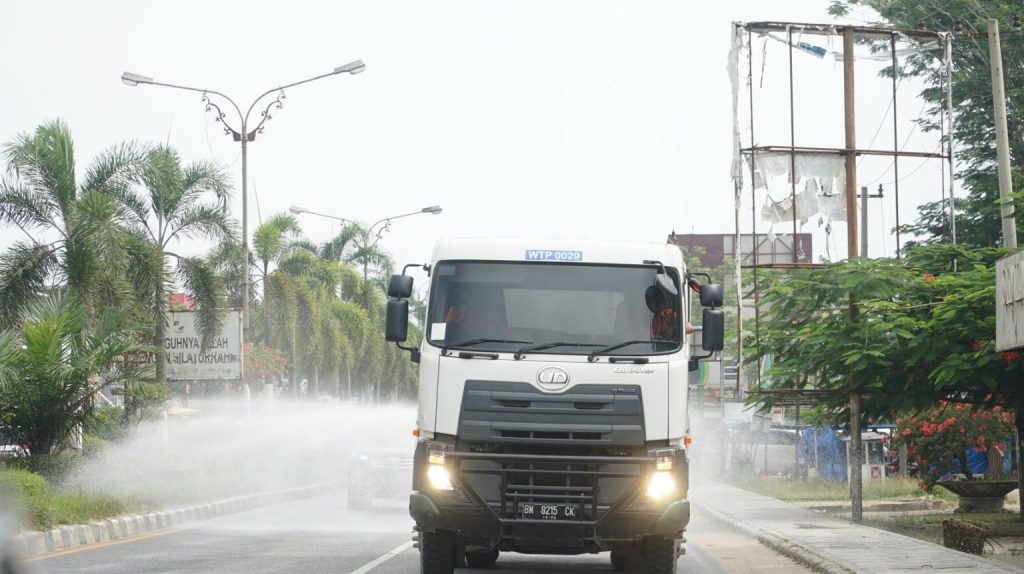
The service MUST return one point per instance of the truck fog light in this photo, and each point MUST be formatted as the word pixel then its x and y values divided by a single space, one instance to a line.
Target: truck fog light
pixel 663 460
pixel 438 477
pixel 660 485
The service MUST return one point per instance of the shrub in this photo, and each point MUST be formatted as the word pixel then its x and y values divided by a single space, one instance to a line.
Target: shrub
pixel 940 437
pixel 43 508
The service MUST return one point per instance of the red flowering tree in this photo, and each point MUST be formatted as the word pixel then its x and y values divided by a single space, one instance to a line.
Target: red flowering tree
pixel 263 363
pixel 939 438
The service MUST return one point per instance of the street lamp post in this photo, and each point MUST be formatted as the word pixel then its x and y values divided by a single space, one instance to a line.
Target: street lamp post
pixel 433 209
pixel 298 210
pixel 244 135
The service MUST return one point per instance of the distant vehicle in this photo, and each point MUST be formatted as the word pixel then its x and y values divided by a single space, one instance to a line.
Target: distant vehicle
pixel 782 456
pixel 382 474
pixel 10 448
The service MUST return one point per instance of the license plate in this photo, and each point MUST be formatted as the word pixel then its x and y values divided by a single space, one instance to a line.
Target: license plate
pixel 536 511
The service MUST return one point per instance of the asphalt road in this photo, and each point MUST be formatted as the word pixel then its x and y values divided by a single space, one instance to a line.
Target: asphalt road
pixel 321 535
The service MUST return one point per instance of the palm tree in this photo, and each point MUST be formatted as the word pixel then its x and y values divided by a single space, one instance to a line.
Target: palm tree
pixel 54 364
pixel 73 229
pixel 356 245
pixel 177 202
pixel 273 239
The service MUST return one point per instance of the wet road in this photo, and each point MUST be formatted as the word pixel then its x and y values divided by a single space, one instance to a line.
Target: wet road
pixel 321 535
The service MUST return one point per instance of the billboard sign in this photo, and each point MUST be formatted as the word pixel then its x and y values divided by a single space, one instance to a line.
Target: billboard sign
pixel 1010 302
pixel 186 361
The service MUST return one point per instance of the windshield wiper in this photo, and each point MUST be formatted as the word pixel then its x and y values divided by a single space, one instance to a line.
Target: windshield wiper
pixel 542 346
pixel 471 342
pixel 603 350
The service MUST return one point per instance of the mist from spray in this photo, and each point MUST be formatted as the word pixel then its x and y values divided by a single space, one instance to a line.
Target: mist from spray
pixel 224 448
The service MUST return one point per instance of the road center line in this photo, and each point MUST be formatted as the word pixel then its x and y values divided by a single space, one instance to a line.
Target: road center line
pixel 382 559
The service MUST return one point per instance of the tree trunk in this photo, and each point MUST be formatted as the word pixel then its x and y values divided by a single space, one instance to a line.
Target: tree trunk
pixel 266 316
pixel 295 364
pixel 1019 451
pixel 159 334
pixel 348 377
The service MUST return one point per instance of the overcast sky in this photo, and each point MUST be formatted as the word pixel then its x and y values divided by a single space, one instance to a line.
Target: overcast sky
pixel 588 119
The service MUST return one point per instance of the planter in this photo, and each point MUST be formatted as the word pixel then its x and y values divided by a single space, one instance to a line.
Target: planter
pixel 979 495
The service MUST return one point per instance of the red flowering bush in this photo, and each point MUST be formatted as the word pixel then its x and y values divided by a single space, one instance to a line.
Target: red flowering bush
pixel 262 363
pixel 938 439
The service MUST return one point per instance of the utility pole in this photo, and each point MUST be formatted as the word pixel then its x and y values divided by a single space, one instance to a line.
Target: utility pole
pixel 1002 138
pixel 864 221
pixel 850 112
pixel 864 197
pixel 1005 189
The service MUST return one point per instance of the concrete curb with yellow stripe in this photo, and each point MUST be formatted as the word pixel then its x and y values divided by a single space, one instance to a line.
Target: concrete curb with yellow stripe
pixel 34 543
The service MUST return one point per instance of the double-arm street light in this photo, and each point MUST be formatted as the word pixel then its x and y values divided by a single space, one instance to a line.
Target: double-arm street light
pixel 433 209
pixel 244 135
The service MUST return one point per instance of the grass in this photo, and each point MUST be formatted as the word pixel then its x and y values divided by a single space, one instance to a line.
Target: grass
pixel 796 490
pixel 42 508
pixel 928 527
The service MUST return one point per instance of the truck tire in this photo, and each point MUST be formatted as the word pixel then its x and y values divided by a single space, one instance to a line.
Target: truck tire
pixel 484 559
pixel 659 556
pixel 437 552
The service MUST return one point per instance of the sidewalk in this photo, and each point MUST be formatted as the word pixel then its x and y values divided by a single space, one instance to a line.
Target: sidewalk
pixel 830 544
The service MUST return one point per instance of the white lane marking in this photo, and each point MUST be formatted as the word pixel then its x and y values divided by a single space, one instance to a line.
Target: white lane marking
pixel 382 559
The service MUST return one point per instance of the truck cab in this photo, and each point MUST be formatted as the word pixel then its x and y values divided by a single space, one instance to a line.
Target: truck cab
pixel 552 410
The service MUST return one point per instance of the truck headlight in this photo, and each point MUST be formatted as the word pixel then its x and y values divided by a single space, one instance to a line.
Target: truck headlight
pixel 437 474
pixel 660 485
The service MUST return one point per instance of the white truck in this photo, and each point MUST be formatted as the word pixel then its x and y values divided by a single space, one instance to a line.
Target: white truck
pixel 553 400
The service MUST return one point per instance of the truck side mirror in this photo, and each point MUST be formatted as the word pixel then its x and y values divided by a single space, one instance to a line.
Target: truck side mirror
pixel 396 320
pixel 711 295
pixel 713 327
pixel 666 285
pixel 400 286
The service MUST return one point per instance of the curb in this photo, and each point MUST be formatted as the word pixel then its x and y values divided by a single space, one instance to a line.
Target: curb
pixel 788 548
pixel 33 543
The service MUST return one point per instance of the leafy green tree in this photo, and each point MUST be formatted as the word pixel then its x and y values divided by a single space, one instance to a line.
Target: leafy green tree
pixel 924 332
pixel 176 202
pixel 978 218
pixel 55 363
pixel 74 235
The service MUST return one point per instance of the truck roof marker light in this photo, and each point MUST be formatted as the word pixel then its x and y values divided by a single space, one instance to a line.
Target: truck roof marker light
pixel 416 433
pixel 688 440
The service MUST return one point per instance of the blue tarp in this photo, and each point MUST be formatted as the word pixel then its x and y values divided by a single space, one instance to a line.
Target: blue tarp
pixel 831 454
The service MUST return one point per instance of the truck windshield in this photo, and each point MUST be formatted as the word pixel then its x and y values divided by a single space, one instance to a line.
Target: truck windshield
pixel 566 308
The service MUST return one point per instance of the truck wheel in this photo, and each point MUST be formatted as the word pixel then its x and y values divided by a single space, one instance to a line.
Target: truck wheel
pixel 484 559
pixel 437 552
pixel 659 556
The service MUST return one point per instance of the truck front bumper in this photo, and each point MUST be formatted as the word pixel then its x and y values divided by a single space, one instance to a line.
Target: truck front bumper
pixel 612 513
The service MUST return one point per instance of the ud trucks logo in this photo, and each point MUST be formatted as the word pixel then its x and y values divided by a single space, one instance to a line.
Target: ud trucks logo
pixel 633 370
pixel 553 378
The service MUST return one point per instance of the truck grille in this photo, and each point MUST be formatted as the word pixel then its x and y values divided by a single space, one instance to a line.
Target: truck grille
pixel 504 481
pixel 518 413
